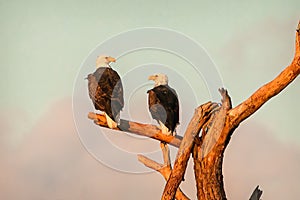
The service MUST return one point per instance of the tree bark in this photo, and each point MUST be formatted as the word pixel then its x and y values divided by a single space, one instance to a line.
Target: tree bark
pixel 202 114
pixel 208 155
pixel 208 175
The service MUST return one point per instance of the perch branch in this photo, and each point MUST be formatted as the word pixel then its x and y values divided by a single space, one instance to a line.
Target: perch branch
pixel 166 154
pixel 201 115
pixel 139 129
pixel 269 90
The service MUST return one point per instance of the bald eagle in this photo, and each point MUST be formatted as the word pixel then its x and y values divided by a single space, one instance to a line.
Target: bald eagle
pixel 106 90
pixel 163 104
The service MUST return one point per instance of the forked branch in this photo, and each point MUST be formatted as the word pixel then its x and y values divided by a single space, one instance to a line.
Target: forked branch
pixel 202 114
pixel 165 169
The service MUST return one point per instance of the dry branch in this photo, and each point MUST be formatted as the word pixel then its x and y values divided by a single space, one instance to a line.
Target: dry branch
pixel 164 170
pixel 147 130
pixel 166 154
pixel 215 125
pixel 269 90
pixel 201 115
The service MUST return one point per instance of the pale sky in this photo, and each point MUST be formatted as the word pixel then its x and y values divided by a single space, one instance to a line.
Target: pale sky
pixel 43 46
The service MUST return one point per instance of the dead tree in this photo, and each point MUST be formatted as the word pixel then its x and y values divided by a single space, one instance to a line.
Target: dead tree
pixel 216 123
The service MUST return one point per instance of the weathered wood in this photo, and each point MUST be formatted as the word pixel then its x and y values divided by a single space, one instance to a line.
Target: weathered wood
pixel 147 130
pixel 166 154
pixel 216 124
pixel 201 115
pixel 150 163
pixel 165 169
pixel 208 155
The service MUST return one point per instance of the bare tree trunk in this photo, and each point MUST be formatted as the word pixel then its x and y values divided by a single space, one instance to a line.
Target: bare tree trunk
pixel 208 153
pixel 208 175
pixel 202 114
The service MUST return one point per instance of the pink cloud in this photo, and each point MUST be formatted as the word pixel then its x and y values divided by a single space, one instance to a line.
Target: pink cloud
pixel 256 157
pixel 51 163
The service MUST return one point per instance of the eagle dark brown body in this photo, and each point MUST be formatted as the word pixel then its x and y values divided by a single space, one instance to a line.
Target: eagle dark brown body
pixel 164 106
pixel 106 91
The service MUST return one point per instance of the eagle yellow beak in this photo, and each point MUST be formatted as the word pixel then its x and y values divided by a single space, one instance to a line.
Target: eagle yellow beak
pixel 152 77
pixel 111 59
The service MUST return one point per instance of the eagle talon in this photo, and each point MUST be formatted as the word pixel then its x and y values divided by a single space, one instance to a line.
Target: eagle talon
pixel 110 123
pixel 164 129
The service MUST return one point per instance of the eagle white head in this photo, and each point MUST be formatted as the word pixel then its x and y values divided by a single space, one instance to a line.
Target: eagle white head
pixel 159 79
pixel 103 61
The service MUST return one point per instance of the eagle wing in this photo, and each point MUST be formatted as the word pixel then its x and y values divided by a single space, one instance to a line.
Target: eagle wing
pixel 164 106
pixel 117 96
pixel 156 109
pixel 106 91
pixel 175 105
pixel 95 93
